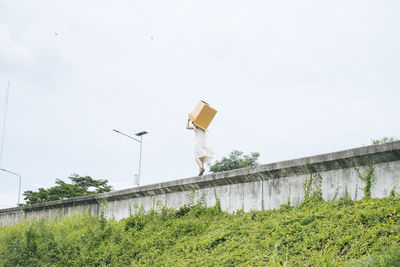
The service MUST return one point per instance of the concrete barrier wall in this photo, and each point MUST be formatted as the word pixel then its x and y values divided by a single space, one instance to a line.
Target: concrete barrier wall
pixel 255 188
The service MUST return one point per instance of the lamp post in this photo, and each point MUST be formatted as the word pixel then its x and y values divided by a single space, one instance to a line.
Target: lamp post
pixel 140 134
pixel 19 188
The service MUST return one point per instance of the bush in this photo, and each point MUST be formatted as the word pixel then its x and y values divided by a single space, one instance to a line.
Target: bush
pixel 317 233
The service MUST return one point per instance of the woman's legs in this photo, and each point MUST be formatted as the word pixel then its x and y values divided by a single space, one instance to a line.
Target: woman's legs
pixel 200 163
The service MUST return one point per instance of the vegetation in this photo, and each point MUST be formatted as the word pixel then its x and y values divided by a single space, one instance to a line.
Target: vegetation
pixel 315 233
pixel 368 178
pixel 235 160
pixel 80 186
pixel 384 140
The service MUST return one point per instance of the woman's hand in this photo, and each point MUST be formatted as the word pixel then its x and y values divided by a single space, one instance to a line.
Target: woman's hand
pixel 187 126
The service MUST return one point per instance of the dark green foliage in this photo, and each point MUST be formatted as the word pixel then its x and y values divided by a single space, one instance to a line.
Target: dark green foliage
pixel 317 233
pixel 393 192
pixel 79 187
pixel 235 160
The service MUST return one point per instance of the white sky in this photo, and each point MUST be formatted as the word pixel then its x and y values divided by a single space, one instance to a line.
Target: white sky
pixel 289 79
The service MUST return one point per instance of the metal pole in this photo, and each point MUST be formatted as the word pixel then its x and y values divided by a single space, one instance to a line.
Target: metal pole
pixel 4 123
pixel 127 135
pixel 19 187
pixel 140 141
pixel 140 157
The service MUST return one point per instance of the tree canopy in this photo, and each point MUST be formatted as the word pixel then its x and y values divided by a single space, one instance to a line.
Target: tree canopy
pixel 235 160
pixel 80 186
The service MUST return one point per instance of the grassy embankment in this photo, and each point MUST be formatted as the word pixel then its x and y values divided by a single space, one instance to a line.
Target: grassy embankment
pixel 316 233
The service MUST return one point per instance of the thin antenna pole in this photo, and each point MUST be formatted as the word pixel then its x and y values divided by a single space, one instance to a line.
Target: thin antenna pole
pixel 4 123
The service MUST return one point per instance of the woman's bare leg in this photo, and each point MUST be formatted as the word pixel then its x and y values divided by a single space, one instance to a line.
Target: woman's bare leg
pixel 200 162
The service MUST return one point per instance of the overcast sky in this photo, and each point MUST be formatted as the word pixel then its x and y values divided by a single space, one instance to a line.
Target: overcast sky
pixel 288 78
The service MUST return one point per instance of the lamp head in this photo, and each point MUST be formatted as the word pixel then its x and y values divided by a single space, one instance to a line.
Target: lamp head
pixel 141 133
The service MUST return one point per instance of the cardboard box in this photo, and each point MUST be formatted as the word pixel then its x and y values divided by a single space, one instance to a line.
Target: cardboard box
pixel 202 115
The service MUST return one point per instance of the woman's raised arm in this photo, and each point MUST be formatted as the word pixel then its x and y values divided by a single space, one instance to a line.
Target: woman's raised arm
pixel 188 126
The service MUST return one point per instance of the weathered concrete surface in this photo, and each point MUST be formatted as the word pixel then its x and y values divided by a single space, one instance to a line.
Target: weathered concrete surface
pixel 261 187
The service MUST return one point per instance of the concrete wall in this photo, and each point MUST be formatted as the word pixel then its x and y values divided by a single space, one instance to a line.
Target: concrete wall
pixel 255 188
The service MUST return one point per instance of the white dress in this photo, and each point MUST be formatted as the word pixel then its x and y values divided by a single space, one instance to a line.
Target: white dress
pixel 200 146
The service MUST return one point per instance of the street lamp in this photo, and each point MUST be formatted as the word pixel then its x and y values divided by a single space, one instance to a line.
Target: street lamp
pixel 140 134
pixel 19 188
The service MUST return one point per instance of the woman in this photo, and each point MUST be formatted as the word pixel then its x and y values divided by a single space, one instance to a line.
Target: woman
pixel 202 153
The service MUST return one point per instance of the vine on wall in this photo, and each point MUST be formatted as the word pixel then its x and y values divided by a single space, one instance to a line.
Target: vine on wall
pixel 369 179
pixel 312 186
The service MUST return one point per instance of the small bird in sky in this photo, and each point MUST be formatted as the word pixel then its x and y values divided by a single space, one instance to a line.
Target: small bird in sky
pixel 151 37
pixel 56 34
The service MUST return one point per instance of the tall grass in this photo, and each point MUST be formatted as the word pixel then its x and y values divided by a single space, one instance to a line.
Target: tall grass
pixel 316 233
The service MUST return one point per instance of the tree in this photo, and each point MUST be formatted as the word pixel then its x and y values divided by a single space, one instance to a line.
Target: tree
pixel 235 160
pixel 80 186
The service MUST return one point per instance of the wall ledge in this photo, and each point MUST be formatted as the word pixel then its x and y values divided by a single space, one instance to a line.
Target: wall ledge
pixel 361 156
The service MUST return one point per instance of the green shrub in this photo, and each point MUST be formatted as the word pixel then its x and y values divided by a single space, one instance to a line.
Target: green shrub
pixel 316 233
